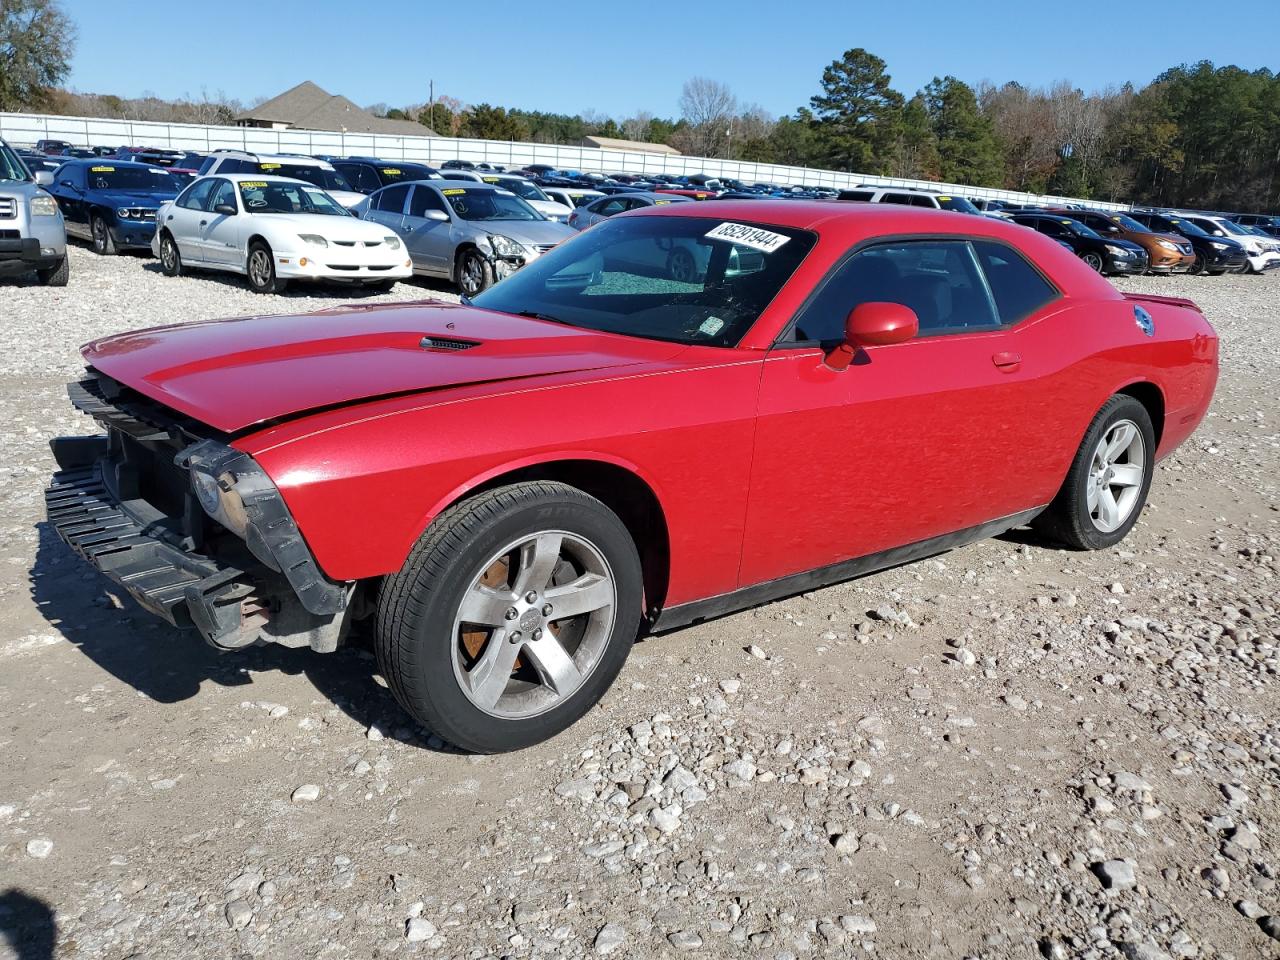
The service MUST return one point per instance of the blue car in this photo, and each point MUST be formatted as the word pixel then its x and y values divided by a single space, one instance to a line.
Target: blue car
pixel 112 203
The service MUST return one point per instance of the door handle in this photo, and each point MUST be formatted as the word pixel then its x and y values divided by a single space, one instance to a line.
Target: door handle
pixel 1007 361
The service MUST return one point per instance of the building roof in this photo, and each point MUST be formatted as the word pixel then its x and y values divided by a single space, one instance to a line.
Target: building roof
pixel 636 146
pixel 309 107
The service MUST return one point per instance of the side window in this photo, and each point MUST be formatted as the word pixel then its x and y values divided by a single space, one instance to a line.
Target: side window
pixel 196 196
pixel 207 165
pixel 1019 289
pixel 391 200
pixel 856 194
pixel 424 199
pixel 929 202
pixel 609 207
pixel 1050 227
pixel 938 279
pixel 359 176
pixel 225 192
pixel 903 198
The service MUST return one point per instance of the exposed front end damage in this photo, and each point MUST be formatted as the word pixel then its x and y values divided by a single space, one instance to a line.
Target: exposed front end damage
pixel 190 527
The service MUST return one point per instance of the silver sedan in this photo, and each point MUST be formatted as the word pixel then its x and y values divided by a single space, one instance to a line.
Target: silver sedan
pixel 473 234
pixel 592 213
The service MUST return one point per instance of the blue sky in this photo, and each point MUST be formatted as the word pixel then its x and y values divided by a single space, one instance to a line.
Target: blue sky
pixel 573 56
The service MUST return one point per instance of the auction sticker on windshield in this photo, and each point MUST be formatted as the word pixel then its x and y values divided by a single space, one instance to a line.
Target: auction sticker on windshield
pixel 253 184
pixel 102 170
pixel 457 192
pixel 753 237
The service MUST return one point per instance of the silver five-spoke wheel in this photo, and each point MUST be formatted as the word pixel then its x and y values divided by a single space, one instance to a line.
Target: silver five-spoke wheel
pixel 533 624
pixel 1115 475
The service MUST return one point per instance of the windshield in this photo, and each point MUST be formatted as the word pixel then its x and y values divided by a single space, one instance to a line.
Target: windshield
pixel 401 171
pixel 1187 228
pixel 684 279
pixel 472 204
pixel 318 176
pixel 11 168
pixel 1230 227
pixel 1129 223
pixel 259 196
pixel 109 177
pixel 521 188
pixel 958 204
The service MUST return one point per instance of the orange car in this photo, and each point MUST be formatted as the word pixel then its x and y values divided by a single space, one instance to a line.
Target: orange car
pixel 1169 253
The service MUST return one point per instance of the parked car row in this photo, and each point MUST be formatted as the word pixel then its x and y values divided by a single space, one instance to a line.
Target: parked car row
pixel 475 223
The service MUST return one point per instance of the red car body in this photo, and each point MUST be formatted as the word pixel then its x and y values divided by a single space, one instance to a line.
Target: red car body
pixel 756 464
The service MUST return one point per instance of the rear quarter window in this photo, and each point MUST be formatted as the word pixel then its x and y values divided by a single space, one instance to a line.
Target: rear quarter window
pixel 1019 289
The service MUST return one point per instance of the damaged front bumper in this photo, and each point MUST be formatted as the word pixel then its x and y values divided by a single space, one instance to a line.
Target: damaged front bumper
pixel 233 566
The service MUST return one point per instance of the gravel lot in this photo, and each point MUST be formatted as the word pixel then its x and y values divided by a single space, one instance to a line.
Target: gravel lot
pixel 1007 751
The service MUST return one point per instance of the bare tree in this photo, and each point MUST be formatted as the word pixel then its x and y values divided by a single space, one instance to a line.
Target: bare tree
pixel 637 127
pixel 707 105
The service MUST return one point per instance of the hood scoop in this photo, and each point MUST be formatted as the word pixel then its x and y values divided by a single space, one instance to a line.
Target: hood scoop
pixel 446 344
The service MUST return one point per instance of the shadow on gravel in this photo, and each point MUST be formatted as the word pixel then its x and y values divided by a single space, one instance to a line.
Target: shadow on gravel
pixel 303 290
pixel 170 665
pixel 27 923
pixel 1027 536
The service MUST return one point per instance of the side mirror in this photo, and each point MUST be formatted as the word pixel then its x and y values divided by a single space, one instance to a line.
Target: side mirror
pixel 1113 229
pixel 438 215
pixel 225 210
pixel 874 324
pixel 44 178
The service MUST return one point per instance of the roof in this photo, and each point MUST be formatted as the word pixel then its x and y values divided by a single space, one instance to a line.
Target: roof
pixel 636 146
pixel 312 108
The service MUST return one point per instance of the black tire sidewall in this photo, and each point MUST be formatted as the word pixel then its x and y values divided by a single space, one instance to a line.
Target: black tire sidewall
pixel 1120 407
pixel 486 272
pixel 426 685
pixel 55 276
pixel 106 248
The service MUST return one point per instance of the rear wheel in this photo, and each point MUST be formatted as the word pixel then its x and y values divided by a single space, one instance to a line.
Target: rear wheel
pixel 511 617
pixel 55 276
pixel 261 270
pixel 1107 484
pixel 103 242
pixel 170 258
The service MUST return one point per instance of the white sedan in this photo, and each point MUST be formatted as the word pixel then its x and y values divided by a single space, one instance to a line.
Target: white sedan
pixel 274 230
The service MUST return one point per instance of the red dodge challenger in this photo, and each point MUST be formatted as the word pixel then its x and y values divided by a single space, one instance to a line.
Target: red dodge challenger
pixel 514 488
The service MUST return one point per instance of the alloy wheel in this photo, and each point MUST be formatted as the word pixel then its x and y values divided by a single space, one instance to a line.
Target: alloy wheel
pixel 472 274
pixel 99 235
pixel 1115 476
pixel 260 268
pixel 168 254
pixel 533 624
pixel 1094 261
pixel 681 266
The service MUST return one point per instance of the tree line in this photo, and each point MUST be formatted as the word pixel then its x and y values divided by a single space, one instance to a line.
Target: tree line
pixel 1198 135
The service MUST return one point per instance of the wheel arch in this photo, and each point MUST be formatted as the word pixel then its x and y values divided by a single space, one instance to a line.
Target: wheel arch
pixel 620 485
pixel 1152 398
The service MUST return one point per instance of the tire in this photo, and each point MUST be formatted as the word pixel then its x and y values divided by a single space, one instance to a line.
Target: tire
pixel 260 270
pixel 1093 261
pixel 482 548
pixel 1199 266
pixel 474 274
pixel 103 243
pixel 1070 519
pixel 1216 273
pixel 681 266
pixel 55 276
pixel 170 256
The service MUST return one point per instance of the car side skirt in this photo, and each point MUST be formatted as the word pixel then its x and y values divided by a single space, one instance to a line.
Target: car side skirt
pixel 697 611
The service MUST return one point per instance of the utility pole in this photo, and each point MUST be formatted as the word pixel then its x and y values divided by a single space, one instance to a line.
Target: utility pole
pixel 432 101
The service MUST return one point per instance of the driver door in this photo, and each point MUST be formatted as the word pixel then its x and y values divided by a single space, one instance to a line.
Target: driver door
pixel 913 440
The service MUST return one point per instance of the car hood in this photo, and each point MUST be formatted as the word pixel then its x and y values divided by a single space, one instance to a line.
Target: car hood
pixel 329 227
pixel 233 374
pixel 525 231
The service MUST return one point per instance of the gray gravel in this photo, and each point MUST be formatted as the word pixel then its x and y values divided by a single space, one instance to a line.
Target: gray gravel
pixel 1007 751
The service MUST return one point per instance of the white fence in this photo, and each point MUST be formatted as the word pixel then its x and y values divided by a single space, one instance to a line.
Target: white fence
pixel 25 129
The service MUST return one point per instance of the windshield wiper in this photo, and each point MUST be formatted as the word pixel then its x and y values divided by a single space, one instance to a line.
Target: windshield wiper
pixel 535 315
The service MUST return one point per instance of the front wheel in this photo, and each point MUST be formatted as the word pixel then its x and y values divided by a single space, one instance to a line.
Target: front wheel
pixel 1107 484
pixel 55 276
pixel 1199 266
pixel 261 270
pixel 511 617
pixel 1093 261
pixel 474 273
pixel 103 242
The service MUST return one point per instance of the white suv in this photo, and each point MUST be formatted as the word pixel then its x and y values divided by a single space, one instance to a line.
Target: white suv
pixel 318 173
pixel 910 198
pixel 1263 253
